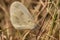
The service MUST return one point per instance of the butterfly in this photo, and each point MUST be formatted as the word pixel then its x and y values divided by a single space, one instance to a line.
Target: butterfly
pixel 20 16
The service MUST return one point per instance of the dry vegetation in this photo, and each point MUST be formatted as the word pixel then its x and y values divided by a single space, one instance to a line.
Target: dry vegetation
pixel 47 16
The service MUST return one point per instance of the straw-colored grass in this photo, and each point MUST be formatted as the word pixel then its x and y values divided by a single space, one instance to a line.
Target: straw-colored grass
pixel 47 17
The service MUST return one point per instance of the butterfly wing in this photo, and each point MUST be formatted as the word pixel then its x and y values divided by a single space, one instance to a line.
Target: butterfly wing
pixel 20 16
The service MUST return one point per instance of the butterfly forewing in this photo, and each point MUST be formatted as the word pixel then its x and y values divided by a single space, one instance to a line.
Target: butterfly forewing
pixel 20 16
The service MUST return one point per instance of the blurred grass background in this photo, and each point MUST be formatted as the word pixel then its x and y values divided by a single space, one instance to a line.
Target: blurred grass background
pixel 46 13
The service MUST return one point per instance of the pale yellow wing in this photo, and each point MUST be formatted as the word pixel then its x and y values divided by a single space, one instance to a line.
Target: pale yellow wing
pixel 20 16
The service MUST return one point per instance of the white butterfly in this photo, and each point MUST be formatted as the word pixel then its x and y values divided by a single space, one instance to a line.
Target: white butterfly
pixel 20 17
